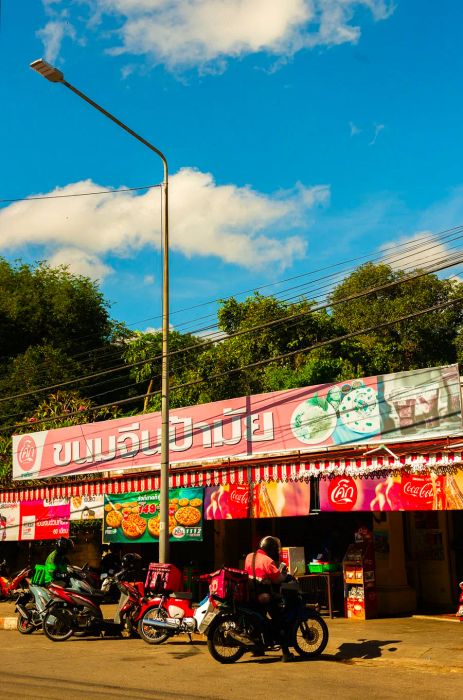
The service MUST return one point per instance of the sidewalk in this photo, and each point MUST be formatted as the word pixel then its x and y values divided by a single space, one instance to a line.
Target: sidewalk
pixel 413 642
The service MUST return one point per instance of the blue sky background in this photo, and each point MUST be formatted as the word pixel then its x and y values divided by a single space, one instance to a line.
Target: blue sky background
pixel 295 140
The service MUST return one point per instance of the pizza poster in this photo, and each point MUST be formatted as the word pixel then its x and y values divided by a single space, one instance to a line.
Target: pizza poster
pixel 135 517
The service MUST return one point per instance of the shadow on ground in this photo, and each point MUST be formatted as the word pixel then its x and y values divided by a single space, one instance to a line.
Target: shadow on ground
pixel 365 649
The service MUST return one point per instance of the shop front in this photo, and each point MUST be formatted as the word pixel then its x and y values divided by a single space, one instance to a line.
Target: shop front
pixel 314 466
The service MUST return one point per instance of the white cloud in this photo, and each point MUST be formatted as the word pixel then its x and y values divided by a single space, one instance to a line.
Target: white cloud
pixel 80 262
pixel 185 33
pixel 52 35
pixel 234 224
pixel 354 130
pixel 421 250
pixel 378 130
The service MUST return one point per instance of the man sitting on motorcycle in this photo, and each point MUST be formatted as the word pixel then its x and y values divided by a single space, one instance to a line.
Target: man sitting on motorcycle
pixel 265 573
pixel 57 562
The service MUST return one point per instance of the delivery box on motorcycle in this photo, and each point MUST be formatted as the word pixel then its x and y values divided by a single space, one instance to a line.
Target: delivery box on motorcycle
pixel 162 578
pixel 229 584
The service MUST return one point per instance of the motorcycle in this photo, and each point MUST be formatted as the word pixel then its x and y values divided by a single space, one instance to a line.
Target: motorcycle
pixel 168 613
pixel 110 564
pixel 234 625
pixel 75 612
pixel 34 602
pixel 4 581
pixel 459 612
pixel 132 599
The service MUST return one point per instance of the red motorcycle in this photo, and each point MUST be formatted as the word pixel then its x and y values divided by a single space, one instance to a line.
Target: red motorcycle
pixel 4 581
pixel 459 612
pixel 74 612
pixel 9 588
pixel 169 612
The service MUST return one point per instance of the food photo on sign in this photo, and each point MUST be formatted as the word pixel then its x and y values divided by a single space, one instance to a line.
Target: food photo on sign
pixel 135 517
pixel 406 404
pixel 87 507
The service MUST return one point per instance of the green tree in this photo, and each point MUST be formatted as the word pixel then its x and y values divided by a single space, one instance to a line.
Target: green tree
pixel 424 341
pixel 45 304
pixel 144 351
pixel 58 410
pixel 55 327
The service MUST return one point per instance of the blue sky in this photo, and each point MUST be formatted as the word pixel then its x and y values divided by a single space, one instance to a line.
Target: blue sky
pixel 299 133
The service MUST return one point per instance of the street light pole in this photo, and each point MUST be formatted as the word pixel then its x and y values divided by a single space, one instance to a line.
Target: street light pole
pixel 56 76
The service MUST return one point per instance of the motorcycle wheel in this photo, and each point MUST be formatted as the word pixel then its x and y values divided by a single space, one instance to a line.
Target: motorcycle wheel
pixel 150 634
pixel 24 625
pixel 311 637
pixel 58 624
pixel 223 649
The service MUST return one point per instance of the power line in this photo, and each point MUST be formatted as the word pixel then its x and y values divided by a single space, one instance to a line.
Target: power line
pixel 215 339
pixel 252 365
pixel 79 194
pixel 409 248
pixel 245 331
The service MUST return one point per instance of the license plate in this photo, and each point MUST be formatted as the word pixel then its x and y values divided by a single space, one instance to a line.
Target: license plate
pixel 206 623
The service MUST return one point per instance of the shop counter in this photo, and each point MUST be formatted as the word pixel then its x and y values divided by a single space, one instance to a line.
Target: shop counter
pixel 322 588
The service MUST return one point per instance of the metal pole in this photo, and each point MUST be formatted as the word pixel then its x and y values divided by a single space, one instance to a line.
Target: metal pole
pixel 164 490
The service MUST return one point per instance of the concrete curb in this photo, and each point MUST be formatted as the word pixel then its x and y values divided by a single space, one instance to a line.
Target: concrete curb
pixel 438 618
pixel 8 623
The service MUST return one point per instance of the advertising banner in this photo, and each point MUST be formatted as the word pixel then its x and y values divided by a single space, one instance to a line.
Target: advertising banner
pixel 87 507
pixel 398 407
pixel 9 522
pixel 264 500
pixel 404 492
pixel 43 520
pixel 135 517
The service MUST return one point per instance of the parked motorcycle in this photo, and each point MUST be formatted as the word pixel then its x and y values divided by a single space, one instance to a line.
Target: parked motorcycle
pixel 35 600
pixel 74 612
pixel 169 612
pixel 4 581
pixel 235 625
pixel 132 599
pixel 110 565
pixel 169 615
pixel 459 612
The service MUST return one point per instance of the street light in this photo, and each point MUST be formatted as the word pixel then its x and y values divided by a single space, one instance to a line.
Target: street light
pixel 56 76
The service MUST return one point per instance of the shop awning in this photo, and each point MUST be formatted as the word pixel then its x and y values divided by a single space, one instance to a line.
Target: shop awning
pixel 352 464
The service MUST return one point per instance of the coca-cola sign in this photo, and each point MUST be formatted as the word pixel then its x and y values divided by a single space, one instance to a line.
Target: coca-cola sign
pixel 391 493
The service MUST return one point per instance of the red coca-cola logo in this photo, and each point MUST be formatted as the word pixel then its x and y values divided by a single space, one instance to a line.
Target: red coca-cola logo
pixel 240 496
pixel 342 493
pixel 423 493
pixel 26 453
pixel 419 490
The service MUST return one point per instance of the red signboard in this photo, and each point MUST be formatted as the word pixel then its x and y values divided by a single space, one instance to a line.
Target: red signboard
pixel 403 492
pixel 43 520
pixel 397 406
pixel 264 500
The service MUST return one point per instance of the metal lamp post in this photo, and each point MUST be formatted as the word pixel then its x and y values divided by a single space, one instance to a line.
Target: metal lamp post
pixel 56 76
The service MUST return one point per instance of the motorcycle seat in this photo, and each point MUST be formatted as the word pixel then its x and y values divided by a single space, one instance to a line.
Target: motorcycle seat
pixel 183 595
pixel 94 594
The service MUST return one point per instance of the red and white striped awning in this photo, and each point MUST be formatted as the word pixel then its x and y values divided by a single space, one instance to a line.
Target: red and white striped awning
pixel 241 474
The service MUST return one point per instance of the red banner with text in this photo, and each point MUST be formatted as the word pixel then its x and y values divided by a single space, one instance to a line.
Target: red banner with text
pixel 391 493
